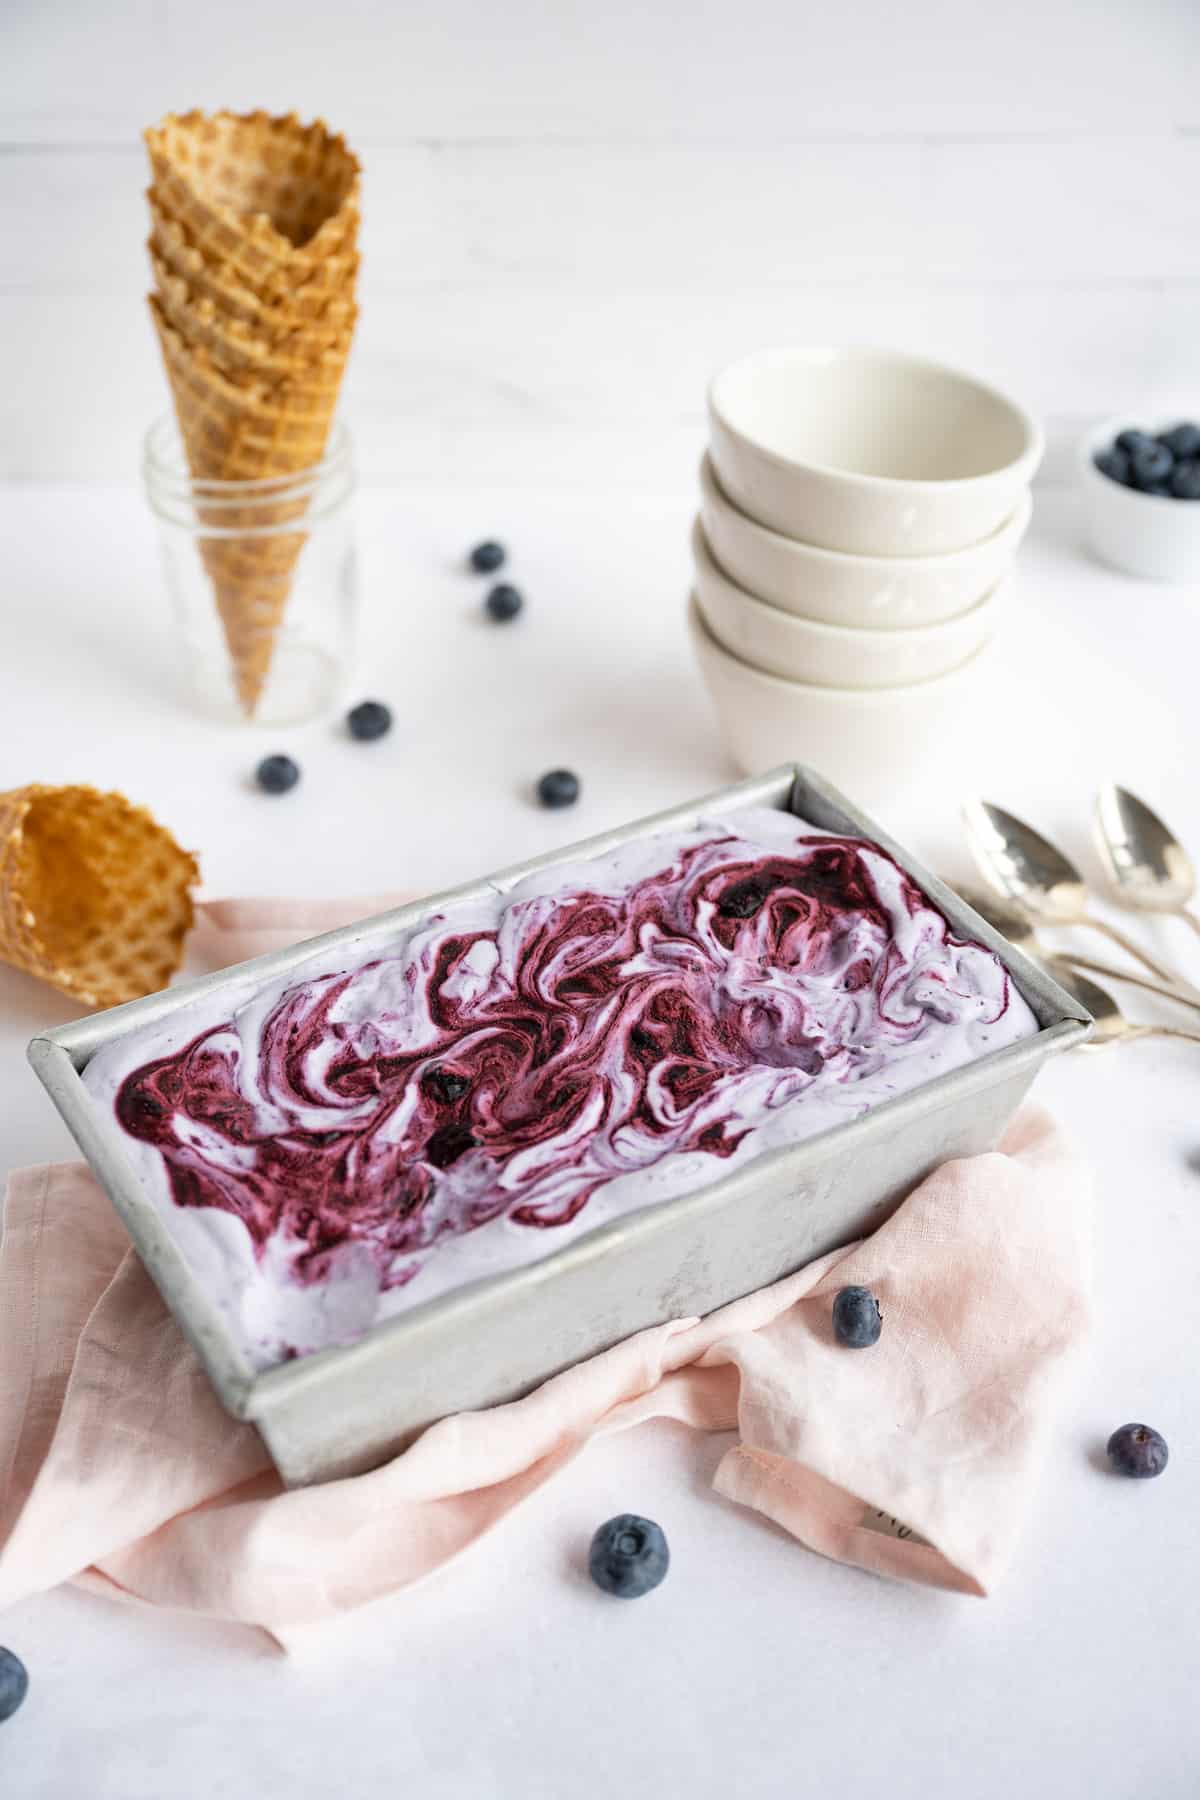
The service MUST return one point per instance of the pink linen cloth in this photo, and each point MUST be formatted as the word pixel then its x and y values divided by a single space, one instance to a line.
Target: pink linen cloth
pixel 915 1459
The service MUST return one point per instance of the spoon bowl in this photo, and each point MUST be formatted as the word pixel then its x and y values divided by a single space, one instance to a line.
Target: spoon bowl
pixel 1146 864
pixel 1023 865
pixel 1010 921
pixel 1037 877
pixel 1109 1024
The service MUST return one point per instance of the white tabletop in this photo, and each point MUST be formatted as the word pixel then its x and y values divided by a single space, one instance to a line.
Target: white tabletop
pixel 758 1669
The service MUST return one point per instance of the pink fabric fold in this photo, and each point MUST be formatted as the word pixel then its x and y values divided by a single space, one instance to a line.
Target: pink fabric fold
pixel 916 1459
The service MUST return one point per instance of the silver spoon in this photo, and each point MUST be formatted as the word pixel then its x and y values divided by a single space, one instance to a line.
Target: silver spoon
pixel 1148 867
pixel 1112 1027
pixel 1017 926
pixel 1042 882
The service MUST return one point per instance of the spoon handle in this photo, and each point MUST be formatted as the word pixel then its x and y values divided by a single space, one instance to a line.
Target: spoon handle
pixel 1192 918
pixel 1139 955
pixel 1164 989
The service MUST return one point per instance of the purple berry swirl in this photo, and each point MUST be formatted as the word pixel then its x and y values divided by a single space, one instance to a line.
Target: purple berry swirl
pixel 522 1067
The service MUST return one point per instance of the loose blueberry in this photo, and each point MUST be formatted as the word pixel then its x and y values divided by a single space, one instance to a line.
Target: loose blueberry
pixel 504 602
pixel 1182 440
pixel 277 774
pixel 486 557
pixel 1138 1451
pixel 1132 440
pixel 369 720
pixel 857 1320
pixel 558 787
pixel 1115 464
pixel 1185 481
pixel 1149 466
pixel 14 1683
pixel 629 1556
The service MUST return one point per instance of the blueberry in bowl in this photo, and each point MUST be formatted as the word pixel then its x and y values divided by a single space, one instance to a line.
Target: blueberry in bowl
pixel 1131 440
pixel 1114 462
pixel 1183 441
pixel 1184 482
pixel 1138 488
pixel 1149 462
pixel 1150 468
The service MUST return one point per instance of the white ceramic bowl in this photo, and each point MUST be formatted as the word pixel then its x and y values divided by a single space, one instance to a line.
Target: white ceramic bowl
pixel 879 593
pixel 884 743
pixel 797 649
pixel 869 451
pixel 1143 534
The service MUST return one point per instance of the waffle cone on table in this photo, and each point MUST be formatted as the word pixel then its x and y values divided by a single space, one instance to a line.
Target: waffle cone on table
pixel 253 246
pixel 95 896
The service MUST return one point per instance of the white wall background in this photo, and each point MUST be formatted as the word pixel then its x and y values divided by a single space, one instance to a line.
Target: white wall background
pixel 575 212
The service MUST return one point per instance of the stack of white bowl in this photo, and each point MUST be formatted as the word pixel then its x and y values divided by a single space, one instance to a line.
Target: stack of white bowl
pixel 860 512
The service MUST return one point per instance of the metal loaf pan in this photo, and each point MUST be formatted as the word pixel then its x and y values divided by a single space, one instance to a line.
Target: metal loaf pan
pixel 344 1410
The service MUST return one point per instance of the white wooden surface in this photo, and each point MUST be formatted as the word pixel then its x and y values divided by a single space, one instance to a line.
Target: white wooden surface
pixel 758 1670
pixel 575 213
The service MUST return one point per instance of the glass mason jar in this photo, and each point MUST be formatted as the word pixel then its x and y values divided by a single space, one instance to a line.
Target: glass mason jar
pixel 262 577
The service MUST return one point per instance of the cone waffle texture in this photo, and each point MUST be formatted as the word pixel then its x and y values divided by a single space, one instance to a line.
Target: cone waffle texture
pixel 95 897
pixel 254 251
pixel 327 295
pixel 272 197
pixel 231 435
pixel 277 352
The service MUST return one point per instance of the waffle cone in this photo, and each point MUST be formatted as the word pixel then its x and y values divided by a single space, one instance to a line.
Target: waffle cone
pixel 95 897
pixel 276 349
pixel 254 244
pixel 270 196
pixel 326 293
pixel 242 431
pixel 232 433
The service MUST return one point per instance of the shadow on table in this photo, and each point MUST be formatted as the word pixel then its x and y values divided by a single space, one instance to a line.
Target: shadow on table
pixel 30 1006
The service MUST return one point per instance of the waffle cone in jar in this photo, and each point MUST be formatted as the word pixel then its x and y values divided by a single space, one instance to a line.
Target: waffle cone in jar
pixel 95 896
pixel 255 225
pixel 324 295
pixel 269 196
pixel 246 433
pixel 306 355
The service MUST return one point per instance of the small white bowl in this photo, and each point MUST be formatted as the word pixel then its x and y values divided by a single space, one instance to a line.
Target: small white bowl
pixel 876 593
pixel 869 451
pixel 880 744
pixel 1142 534
pixel 798 649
